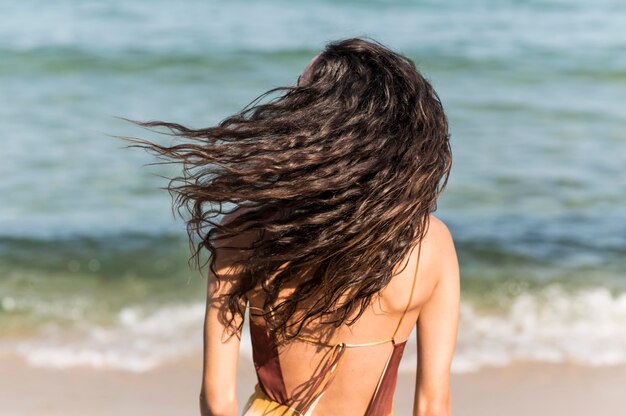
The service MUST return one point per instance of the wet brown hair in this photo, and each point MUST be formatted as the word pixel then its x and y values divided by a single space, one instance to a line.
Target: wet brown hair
pixel 337 178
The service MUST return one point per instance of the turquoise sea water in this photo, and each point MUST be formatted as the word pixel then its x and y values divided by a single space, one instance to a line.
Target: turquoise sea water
pixel 93 265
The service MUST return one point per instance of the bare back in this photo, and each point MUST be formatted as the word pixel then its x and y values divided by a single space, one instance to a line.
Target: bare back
pixel 355 366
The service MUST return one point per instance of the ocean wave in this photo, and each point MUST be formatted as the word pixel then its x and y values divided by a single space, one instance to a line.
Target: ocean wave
pixel 555 325
pixel 139 341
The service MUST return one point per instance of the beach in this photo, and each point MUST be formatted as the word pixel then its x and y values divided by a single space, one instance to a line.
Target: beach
pixel 524 389
pixel 100 312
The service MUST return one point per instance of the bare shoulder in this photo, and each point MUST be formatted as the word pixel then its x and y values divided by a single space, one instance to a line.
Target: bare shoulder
pixel 230 247
pixel 438 258
pixel 231 218
pixel 438 236
pixel 439 254
pixel 434 259
pixel 233 215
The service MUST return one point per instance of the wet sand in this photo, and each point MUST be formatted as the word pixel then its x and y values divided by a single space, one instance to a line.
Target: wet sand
pixel 172 389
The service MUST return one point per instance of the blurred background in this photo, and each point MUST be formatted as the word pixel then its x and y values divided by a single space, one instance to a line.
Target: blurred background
pixel 93 265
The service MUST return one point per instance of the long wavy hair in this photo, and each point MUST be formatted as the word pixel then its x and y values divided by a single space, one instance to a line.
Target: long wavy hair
pixel 337 178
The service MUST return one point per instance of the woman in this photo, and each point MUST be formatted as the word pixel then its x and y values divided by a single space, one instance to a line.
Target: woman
pixel 332 243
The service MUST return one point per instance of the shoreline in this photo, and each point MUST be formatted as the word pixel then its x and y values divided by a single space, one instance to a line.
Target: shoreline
pixel 520 389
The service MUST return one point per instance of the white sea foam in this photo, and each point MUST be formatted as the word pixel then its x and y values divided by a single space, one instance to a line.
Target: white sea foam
pixel 138 342
pixel 552 325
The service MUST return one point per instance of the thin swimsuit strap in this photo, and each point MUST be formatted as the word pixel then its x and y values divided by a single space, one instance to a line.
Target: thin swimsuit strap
pixel 408 304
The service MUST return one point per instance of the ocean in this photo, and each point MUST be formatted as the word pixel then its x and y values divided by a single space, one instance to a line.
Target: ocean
pixel 93 265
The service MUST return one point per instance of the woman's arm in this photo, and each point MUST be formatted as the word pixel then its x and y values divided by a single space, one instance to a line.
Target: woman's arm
pixel 437 326
pixel 219 377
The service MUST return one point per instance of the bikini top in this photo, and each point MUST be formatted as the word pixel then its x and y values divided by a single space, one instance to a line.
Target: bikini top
pixel 269 373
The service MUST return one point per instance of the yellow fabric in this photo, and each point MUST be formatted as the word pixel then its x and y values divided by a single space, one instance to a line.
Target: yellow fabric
pixel 260 405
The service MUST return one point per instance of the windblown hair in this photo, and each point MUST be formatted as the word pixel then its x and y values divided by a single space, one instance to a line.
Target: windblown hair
pixel 337 178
